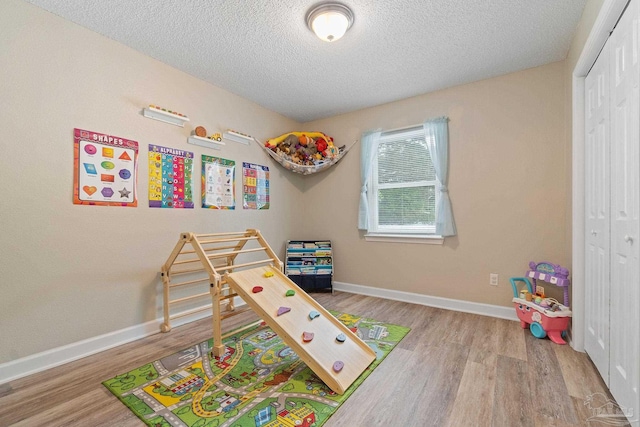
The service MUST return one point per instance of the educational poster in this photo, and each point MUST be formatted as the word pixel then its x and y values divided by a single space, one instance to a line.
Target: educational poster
pixel 170 178
pixel 255 186
pixel 104 169
pixel 218 183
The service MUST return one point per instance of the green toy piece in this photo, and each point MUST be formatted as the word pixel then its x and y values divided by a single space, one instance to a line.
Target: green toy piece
pixel 290 293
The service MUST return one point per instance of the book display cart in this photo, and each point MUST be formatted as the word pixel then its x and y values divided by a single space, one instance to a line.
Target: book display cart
pixel 309 264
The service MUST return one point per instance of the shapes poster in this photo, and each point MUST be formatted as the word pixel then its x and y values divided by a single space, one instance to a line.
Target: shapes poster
pixel 170 178
pixel 255 186
pixel 218 183
pixel 104 169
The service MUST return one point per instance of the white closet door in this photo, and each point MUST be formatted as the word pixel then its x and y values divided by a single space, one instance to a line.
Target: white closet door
pixel 625 159
pixel 597 161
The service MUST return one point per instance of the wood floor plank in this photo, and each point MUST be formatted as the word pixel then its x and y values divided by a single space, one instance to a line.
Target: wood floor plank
pixel 579 373
pixel 451 369
pixel 589 414
pixel 443 367
pixel 512 402
pixel 549 391
pixel 484 347
pixel 385 383
pixel 511 339
pixel 473 405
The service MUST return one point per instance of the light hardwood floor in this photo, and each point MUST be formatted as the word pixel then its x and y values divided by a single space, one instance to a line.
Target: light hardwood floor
pixel 452 369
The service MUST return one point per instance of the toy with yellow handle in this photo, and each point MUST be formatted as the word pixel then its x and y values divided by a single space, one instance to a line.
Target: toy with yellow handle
pixel 314 135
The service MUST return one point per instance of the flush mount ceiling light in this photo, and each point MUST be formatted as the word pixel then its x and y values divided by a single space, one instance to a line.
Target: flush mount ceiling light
pixel 330 21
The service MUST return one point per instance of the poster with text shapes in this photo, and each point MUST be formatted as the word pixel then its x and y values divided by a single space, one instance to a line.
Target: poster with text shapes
pixel 104 171
pixel 170 178
pixel 218 183
pixel 255 186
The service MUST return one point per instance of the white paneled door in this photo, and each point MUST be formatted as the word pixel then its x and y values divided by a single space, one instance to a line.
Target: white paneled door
pixel 612 194
pixel 597 196
pixel 625 278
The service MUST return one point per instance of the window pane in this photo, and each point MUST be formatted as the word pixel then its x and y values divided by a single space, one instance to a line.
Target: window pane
pixel 404 160
pixel 413 206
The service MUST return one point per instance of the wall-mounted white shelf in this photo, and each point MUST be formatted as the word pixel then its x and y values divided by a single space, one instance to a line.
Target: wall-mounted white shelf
pixel 205 142
pixel 237 137
pixel 164 116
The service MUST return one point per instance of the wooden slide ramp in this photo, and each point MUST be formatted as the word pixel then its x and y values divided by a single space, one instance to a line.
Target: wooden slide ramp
pixel 323 350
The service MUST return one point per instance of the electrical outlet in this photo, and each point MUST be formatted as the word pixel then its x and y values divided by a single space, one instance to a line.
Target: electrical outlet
pixel 493 279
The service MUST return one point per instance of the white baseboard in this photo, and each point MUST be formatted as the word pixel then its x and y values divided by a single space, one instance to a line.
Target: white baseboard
pixel 438 302
pixel 48 359
pixel 39 362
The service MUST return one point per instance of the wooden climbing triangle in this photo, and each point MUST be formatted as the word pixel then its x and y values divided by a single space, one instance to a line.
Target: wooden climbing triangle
pixel 334 353
pixel 203 260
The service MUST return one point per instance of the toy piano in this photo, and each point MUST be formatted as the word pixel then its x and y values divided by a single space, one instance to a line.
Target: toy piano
pixel 543 316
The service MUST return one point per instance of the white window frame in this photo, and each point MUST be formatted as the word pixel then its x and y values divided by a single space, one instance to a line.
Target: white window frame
pixel 399 234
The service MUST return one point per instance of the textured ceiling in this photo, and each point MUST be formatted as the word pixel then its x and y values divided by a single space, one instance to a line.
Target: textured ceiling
pixel 263 51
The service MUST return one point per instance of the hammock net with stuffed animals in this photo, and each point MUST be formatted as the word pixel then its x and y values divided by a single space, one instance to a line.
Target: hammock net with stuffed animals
pixel 305 153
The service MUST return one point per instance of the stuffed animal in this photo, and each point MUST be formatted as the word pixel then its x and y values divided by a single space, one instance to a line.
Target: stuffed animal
pixel 304 140
pixel 314 135
pixel 312 148
pixel 332 151
pixel 321 145
pixel 296 158
pixel 303 148
pixel 289 144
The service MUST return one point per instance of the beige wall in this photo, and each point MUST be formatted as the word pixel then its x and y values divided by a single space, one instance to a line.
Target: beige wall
pixel 507 183
pixel 73 272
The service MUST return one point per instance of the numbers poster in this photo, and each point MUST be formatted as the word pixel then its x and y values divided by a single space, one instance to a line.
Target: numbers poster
pixel 218 183
pixel 255 186
pixel 104 169
pixel 170 178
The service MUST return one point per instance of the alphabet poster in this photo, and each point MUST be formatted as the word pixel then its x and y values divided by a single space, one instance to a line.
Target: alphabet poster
pixel 104 169
pixel 255 186
pixel 170 178
pixel 218 183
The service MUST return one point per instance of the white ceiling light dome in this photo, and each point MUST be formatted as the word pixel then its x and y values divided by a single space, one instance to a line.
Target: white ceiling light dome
pixel 329 21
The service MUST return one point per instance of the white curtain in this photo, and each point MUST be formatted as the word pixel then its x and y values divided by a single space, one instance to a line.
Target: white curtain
pixel 437 137
pixel 368 153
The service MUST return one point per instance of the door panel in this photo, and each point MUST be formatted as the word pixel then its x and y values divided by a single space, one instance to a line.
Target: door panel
pixel 625 280
pixel 597 213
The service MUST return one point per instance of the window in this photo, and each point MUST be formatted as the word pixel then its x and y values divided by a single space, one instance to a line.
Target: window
pixel 404 195
pixel 403 185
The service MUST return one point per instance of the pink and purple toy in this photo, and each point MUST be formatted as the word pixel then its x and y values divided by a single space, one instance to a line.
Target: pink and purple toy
pixel 547 317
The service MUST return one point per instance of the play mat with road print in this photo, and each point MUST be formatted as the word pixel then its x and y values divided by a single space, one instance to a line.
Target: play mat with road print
pixel 257 382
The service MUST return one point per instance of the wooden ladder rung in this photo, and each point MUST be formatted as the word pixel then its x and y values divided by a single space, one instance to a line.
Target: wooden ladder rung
pixel 190 297
pixel 186 261
pixel 229 233
pixel 189 282
pixel 235 312
pixel 242 251
pixel 246 264
pixel 209 249
pixel 188 312
pixel 195 270
pixel 244 328
pixel 225 297
pixel 239 239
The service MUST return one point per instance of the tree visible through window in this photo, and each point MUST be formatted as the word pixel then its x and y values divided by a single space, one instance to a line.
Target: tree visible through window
pixel 403 185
